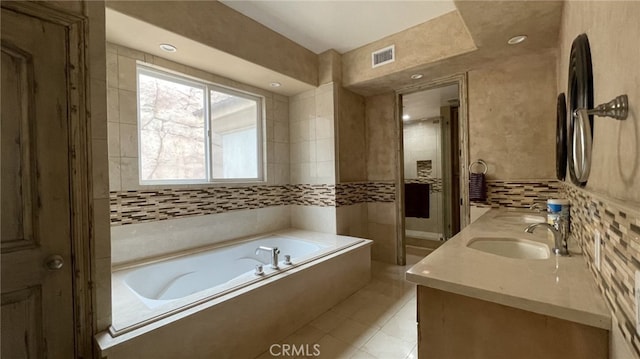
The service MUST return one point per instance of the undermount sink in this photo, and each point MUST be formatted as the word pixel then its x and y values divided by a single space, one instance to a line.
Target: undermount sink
pixel 510 247
pixel 521 218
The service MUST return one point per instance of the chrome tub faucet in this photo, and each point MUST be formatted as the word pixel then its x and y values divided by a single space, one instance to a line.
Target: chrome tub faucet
pixel 274 254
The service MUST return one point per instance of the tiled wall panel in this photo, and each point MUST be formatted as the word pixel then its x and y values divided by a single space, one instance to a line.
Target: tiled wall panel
pixel 137 206
pixel 619 226
pixel 521 194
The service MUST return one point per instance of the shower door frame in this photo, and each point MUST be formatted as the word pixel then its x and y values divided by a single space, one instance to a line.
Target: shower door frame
pixel 463 138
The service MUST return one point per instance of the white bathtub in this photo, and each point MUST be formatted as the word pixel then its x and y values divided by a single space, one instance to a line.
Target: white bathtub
pixel 221 268
pixel 145 293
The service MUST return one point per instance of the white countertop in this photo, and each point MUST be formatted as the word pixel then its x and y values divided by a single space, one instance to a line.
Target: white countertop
pixel 560 287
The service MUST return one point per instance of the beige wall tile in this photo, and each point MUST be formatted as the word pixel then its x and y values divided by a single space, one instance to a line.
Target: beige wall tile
pixel 114 174
pixel 113 130
pixel 384 242
pixel 128 140
pixel 127 79
pixel 313 218
pixel 278 173
pixel 281 152
pixel 112 69
pixel 382 212
pixel 129 177
pixel 352 220
pixel 127 102
pixel 325 149
pixel 113 105
pixel 325 172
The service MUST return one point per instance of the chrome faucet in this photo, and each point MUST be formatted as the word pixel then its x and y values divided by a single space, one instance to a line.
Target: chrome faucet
pixel 274 254
pixel 538 207
pixel 559 230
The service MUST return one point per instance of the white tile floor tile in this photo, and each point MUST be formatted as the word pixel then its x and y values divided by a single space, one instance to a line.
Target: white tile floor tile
pixel 354 333
pixel 383 345
pixel 377 322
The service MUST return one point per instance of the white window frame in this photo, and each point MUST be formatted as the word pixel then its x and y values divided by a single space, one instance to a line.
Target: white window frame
pixel 168 75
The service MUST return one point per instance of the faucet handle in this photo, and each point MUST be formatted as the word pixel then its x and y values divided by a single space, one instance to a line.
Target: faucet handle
pixel 538 207
pixel 287 259
pixel 259 270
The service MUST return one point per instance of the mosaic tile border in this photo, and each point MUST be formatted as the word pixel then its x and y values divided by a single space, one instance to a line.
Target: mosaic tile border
pixel 128 207
pixel 364 192
pixel 520 194
pixel 138 206
pixel 619 227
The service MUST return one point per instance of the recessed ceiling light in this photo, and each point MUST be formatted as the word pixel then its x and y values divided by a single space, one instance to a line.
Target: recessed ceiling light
pixel 406 117
pixel 517 39
pixel 275 84
pixel 416 76
pixel 168 48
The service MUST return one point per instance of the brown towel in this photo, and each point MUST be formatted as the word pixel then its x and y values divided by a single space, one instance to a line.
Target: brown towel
pixel 477 187
pixel 416 200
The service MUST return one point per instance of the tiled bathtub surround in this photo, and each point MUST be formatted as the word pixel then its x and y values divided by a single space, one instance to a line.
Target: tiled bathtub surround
pixel 521 194
pixel 619 226
pixel 128 207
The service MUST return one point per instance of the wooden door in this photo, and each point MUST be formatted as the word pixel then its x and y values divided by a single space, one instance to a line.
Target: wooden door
pixel 35 218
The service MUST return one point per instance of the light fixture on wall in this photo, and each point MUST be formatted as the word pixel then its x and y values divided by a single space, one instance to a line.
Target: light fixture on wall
pixel 517 39
pixel 416 76
pixel 168 48
pixel 275 84
pixel 406 117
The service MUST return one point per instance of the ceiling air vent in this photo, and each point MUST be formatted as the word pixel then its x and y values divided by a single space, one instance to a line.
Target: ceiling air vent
pixel 383 56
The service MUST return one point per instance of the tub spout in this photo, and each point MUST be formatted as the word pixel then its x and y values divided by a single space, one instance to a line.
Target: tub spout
pixel 274 254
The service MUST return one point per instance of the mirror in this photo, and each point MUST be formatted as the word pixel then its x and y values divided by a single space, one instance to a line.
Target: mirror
pixel 580 87
pixel 561 138
pixel 581 155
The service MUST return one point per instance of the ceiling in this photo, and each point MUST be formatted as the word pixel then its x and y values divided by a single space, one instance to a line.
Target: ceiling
pixel 339 25
pixel 148 37
pixel 344 25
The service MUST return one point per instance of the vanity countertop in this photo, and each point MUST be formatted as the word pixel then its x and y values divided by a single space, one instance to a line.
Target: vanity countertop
pixel 560 287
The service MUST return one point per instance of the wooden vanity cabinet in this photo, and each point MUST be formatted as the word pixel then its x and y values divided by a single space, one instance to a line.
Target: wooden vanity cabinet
pixel 453 326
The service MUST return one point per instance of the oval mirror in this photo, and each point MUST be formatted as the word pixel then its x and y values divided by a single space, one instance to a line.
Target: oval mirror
pixel 580 125
pixel 561 138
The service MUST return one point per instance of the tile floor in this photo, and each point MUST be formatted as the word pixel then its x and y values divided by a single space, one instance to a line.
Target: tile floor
pixel 378 321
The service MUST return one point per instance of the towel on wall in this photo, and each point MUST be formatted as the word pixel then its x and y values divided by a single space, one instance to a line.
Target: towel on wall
pixel 416 200
pixel 477 187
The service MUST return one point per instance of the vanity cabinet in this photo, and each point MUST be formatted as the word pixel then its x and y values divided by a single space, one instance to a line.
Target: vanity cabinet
pixel 453 326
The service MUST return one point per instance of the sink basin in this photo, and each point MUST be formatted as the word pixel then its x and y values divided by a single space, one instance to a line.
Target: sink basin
pixel 510 247
pixel 521 218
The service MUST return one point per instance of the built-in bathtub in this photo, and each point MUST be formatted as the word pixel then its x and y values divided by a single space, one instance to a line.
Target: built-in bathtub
pixel 174 297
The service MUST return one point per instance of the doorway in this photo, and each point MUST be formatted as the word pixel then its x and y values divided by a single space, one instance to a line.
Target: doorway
pixel 433 206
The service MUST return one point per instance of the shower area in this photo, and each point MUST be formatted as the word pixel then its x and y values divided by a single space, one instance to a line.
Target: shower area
pixel 430 153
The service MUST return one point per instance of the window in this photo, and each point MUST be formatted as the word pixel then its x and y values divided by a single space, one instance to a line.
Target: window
pixel 191 131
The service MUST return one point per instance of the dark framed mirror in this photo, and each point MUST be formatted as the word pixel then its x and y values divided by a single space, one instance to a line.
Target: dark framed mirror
pixel 561 137
pixel 580 95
